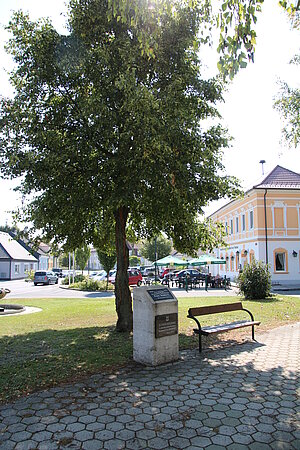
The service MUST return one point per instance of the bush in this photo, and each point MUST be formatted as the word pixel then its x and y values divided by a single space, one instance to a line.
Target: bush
pixel 254 282
pixel 77 279
pixel 89 284
pixel 30 275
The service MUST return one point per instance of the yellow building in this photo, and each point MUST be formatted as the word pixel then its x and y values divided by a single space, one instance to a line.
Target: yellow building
pixel 265 225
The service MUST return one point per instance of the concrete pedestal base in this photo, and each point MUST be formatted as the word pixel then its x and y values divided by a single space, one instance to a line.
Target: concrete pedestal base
pixel 155 326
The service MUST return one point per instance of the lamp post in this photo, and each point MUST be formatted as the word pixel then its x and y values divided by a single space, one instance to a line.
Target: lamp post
pixel 155 264
pixel 69 271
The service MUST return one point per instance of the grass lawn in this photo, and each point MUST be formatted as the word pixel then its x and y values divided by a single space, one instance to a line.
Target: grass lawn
pixel 71 338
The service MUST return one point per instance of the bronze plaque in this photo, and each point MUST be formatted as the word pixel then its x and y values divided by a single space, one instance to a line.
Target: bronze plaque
pixel 166 325
pixel 160 294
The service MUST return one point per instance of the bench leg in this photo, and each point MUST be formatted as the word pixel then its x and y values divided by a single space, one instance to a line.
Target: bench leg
pixel 253 333
pixel 200 343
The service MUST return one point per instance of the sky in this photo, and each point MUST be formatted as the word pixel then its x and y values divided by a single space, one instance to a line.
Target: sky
pixel 247 110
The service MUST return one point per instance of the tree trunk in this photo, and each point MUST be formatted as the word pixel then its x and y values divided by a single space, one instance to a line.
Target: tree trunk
pixel 122 291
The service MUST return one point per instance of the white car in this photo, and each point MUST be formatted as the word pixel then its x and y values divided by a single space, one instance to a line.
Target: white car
pixel 92 274
pixel 100 276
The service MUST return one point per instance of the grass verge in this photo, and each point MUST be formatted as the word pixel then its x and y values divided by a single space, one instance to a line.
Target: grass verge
pixel 72 338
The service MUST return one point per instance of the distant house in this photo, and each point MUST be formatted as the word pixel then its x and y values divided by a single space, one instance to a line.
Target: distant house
pixel 265 225
pixel 41 254
pixel 15 260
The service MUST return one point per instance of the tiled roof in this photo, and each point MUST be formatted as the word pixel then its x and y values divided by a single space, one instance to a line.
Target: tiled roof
pixel 14 249
pixel 280 178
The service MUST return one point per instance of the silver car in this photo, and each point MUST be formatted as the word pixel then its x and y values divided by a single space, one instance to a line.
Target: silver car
pixel 45 277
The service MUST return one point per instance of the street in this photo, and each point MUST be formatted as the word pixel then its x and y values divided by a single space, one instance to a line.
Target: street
pixel 22 289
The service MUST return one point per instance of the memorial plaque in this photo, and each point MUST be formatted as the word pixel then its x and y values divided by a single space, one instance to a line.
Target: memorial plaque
pixel 166 325
pixel 160 294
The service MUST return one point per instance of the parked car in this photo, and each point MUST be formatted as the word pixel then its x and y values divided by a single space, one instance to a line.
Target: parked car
pixel 45 277
pixel 100 276
pixel 66 273
pixel 134 277
pixel 170 276
pixel 58 272
pixel 112 273
pixel 149 271
pixel 192 274
pixel 92 274
pixel 164 272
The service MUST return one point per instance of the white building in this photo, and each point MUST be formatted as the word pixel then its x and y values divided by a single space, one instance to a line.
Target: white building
pixel 15 260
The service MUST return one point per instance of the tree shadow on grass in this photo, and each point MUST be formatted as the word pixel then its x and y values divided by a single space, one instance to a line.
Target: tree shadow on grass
pixel 37 360
pixel 45 358
pixel 271 299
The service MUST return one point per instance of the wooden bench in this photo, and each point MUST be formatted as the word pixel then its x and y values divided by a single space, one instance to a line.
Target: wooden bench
pixel 193 313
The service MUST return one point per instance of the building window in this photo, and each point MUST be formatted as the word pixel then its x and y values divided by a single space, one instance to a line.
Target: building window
pixel 231 226
pixel 251 223
pixel 17 268
pixel 280 262
pixel 226 227
pixel 236 224
pixel 243 222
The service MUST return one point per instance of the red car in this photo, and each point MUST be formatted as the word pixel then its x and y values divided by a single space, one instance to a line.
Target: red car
pixel 134 277
pixel 165 272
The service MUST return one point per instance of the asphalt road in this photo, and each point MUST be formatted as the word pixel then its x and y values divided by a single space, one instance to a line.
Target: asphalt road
pixel 22 289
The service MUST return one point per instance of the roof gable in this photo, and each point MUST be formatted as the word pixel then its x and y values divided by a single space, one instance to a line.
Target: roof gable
pixel 3 253
pixel 14 249
pixel 280 178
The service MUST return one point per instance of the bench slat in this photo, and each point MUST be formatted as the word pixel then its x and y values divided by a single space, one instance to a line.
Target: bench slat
pixel 227 327
pixel 204 310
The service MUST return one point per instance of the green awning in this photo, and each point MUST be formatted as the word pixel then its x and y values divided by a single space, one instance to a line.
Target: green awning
pixel 206 260
pixel 171 261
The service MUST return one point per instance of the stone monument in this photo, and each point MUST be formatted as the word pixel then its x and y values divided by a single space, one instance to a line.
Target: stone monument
pixel 155 325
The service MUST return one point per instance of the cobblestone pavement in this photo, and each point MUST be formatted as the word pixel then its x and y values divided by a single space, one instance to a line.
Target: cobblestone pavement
pixel 237 397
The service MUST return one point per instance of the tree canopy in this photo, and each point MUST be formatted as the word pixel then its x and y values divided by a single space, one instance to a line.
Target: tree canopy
pixel 110 137
pixel 288 100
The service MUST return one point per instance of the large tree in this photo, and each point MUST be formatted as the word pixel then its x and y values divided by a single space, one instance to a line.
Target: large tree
pixel 288 105
pixel 288 99
pixel 110 128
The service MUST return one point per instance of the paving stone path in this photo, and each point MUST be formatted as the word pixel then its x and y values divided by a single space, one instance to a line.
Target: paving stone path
pixel 238 397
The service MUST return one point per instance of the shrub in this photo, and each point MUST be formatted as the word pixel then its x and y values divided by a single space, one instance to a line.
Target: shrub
pixel 254 282
pixel 89 284
pixel 77 279
pixel 30 275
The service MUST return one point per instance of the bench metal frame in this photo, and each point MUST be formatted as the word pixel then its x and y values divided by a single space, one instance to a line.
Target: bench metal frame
pixel 228 307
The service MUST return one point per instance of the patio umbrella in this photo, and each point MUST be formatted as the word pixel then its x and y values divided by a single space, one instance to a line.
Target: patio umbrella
pixel 171 261
pixel 206 260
